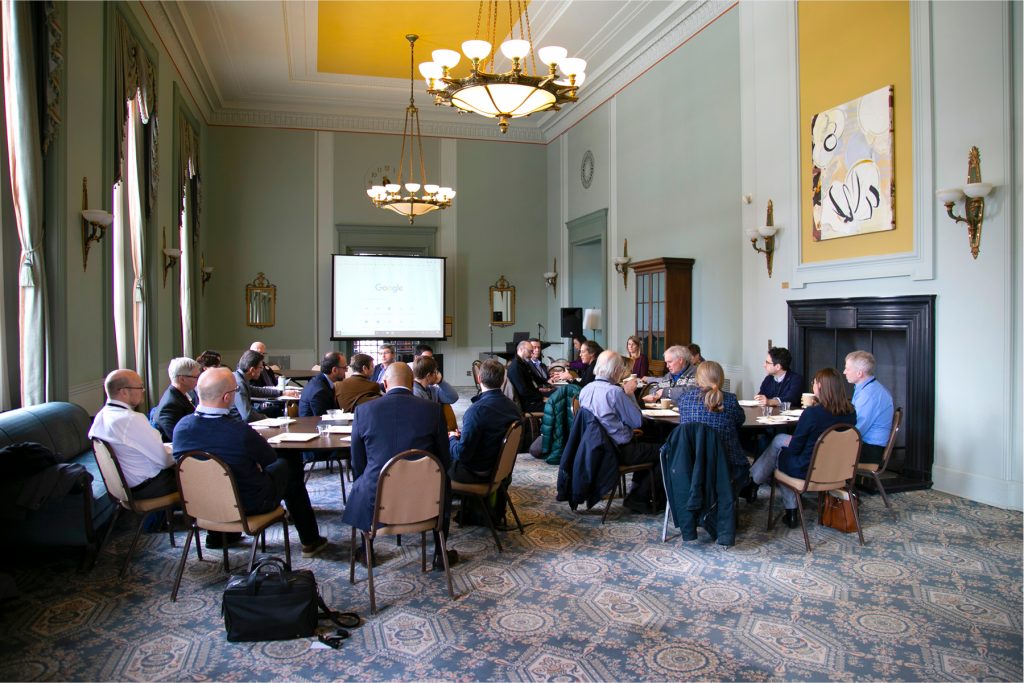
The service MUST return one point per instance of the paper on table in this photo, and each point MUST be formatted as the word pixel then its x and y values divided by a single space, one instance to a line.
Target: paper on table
pixel 660 412
pixel 747 402
pixel 776 419
pixel 795 412
pixel 272 422
pixel 292 436
pixel 340 429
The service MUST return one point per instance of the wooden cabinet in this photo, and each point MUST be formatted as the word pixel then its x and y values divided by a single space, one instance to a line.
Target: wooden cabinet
pixel 664 303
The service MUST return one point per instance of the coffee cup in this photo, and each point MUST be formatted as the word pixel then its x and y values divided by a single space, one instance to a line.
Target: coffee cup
pixel 282 382
pixel 666 403
pixel 807 400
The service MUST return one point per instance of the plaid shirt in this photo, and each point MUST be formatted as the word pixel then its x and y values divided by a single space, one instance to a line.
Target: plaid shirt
pixel 726 423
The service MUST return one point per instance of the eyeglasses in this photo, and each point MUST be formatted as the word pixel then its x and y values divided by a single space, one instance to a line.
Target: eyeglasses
pixel 190 376
pixel 230 391
pixel 137 388
pixel 769 362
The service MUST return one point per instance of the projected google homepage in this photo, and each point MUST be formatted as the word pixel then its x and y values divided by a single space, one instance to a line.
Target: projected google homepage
pixel 383 297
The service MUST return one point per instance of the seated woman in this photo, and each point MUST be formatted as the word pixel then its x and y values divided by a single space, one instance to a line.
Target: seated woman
pixel 637 359
pixel 708 404
pixel 792 454
pixel 589 352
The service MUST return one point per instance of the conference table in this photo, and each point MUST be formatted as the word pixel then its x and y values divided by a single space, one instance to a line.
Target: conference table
pixel 751 413
pixel 291 450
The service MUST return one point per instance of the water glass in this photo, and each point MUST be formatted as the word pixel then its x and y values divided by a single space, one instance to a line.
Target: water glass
pixel 321 429
pixel 783 406
pixel 766 410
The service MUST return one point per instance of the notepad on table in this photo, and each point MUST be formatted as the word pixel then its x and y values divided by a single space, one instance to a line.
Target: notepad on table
pixel 292 436
pixel 272 422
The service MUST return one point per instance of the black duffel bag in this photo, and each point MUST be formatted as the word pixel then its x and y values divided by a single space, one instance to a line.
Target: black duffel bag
pixel 271 603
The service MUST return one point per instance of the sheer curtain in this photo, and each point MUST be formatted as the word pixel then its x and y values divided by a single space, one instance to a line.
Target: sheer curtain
pixel 26 163
pixel 188 228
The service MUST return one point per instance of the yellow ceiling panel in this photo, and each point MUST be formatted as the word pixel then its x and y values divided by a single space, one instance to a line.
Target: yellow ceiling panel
pixel 367 37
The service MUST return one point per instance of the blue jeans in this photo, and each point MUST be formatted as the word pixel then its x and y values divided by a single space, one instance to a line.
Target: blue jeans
pixel 764 467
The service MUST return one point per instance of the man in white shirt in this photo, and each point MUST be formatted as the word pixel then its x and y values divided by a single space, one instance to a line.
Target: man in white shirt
pixel 148 468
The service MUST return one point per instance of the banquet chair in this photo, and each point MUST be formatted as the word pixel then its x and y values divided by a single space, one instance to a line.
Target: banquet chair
pixel 117 487
pixel 833 467
pixel 502 471
pixel 209 496
pixel 410 498
pixel 875 470
pixel 475 369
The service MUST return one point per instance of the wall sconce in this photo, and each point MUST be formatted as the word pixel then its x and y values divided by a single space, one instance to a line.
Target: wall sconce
pixel 767 231
pixel 94 223
pixel 974 204
pixel 205 271
pixel 551 278
pixel 621 264
pixel 170 257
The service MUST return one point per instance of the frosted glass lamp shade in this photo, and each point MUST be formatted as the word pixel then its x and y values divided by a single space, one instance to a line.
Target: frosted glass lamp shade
pixel 476 49
pixel 766 230
pixel 977 190
pixel 552 54
pixel 431 70
pixel 447 58
pixel 949 195
pixel 592 319
pixel 572 66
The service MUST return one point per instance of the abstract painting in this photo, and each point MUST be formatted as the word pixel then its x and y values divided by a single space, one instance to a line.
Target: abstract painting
pixel 852 167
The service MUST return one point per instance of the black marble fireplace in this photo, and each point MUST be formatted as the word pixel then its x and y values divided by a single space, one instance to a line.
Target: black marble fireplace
pixel 900 332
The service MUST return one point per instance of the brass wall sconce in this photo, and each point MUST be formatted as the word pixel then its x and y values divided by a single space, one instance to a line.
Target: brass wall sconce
pixel 170 256
pixel 621 264
pixel 551 278
pixel 766 231
pixel 974 204
pixel 94 223
pixel 205 271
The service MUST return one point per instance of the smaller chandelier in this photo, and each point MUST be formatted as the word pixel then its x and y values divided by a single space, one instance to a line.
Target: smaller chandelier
pixel 422 197
pixel 508 95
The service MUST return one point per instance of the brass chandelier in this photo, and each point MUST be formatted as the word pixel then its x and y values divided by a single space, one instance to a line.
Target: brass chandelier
pixel 512 94
pixel 421 197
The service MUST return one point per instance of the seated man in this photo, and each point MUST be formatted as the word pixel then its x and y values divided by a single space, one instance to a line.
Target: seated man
pixel 357 388
pixel 873 404
pixel 780 384
pixel 429 383
pixel 679 376
pixel 263 389
pixel 387 357
pixel 250 365
pixel 537 360
pixel 382 429
pixel 525 381
pixel 263 479
pixel 318 394
pixel 616 410
pixel 476 448
pixel 180 398
pixel 422 350
pixel 147 466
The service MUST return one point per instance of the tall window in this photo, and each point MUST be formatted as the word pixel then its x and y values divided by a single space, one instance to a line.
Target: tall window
pixel 188 227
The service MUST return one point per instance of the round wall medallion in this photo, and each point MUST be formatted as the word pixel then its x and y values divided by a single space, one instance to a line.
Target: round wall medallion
pixel 587 169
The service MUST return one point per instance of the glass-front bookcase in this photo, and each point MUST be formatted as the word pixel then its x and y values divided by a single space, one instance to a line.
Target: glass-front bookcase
pixel 664 303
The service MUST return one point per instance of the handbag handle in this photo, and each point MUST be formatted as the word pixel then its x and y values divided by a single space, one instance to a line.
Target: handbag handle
pixel 272 569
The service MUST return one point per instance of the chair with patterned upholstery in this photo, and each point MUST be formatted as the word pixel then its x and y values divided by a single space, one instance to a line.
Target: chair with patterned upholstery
pixel 117 487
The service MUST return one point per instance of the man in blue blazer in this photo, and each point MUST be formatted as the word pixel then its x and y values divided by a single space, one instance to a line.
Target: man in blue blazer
pixel 318 394
pixel 477 447
pixel 781 384
pixel 382 429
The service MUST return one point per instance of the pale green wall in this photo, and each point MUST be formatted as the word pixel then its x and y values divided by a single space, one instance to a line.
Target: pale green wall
pixel 259 192
pixel 502 225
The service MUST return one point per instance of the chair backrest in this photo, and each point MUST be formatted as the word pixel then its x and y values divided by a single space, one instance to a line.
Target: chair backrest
pixel 656 367
pixel 890 446
pixel 208 489
pixel 110 469
pixel 575 405
pixel 835 457
pixel 509 452
pixel 410 489
pixel 475 368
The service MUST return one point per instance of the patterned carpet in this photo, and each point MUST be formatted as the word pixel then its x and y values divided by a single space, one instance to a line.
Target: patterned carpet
pixel 935 595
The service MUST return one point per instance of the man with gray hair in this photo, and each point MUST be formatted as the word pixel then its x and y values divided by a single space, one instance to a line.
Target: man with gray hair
pixel 614 407
pixel 528 386
pixel 148 468
pixel 873 404
pixel 179 399
pixel 263 389
pixel 679 375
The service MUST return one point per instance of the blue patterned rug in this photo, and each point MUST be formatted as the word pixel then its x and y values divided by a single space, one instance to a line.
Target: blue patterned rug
pixel 934 595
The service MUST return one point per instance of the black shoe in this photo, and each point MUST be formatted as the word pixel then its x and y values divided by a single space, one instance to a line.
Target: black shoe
pixel 749 492
pixel 641 507
pixel 453 559
pixel 791 519
pixel 216 540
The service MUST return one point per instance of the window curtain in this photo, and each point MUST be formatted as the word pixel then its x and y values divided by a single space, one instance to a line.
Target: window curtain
pixel 188 229
pixel 134 194
pixel 25 155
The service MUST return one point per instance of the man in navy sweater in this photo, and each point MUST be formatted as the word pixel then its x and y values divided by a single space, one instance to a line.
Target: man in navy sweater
pixel 780 384
pixel 476 448
pixel 263 479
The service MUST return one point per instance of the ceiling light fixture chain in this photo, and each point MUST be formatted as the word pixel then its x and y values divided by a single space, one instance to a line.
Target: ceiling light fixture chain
pixel 421 197
pixel 512 94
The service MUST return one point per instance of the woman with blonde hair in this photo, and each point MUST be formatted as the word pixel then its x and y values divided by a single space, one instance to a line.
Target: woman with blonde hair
pixel 637 358
pixel 792 454
pixel 708 404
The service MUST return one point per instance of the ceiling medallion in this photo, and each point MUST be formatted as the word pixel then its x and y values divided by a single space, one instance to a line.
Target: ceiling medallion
pixel 512 94
pixel 421 197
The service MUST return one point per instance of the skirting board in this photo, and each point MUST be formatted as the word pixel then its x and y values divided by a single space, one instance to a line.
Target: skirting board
pixel 1000 493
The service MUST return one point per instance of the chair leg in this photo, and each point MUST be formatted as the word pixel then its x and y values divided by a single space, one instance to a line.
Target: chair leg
pixel 255 543
pixel 287 544
pixel 423 552
pixel 263 541
pixel 515 515
pixel 803 525
pixel 881 489
pixel 444 559
pixel 490 521
pixel 352 559
pixel 341 480
pixel 227 563
pixel 608 506
pixel 664 525
pixel 110 527
pixel 856 512
pixel 131 548
pixel 181 562
pixel 771 501
pixel 168 515
pixel 369 571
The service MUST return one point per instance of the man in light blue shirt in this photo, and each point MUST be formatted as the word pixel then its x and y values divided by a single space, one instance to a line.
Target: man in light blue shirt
pixel 873 404
pixel 616 410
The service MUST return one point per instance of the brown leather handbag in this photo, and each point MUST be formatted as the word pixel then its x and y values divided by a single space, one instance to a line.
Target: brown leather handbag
pixel 838 514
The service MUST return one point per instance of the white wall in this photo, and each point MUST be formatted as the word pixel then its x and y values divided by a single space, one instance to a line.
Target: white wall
pixel 977 445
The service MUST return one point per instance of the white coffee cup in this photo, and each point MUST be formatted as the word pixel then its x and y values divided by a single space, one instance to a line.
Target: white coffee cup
pixel 807 399
pixel 666 403
pixel 282 382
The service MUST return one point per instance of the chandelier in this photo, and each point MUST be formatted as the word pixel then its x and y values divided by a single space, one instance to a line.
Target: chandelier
pixel 421 197
pixel 508 95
